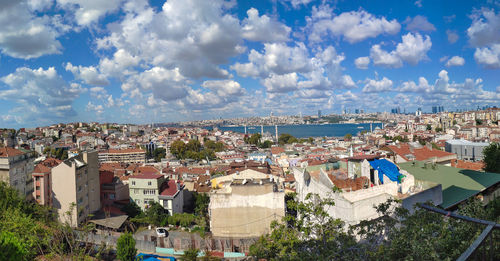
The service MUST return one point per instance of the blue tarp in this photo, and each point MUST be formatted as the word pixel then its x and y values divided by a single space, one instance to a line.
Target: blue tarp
pixel 386 168
pixel 151 257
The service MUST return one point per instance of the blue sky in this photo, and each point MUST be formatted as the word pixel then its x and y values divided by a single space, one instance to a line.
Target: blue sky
pixel 179 60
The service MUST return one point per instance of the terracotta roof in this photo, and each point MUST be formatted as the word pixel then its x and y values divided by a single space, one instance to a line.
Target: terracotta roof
pixel 46 165
pixel 147 169
pixel 420 154
pixel 467 165
pixel 201 185
pixel 146 176
pixel 9 152
pixel 123 151
pixel 169 188
pixel 277 150
pixel 348 184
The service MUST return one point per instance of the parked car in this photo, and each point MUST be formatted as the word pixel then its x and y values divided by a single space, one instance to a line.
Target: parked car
pixel 161 232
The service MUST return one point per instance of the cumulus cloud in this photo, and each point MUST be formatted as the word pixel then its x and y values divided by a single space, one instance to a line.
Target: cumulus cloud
pixel 383 85
pixel 87 12
pixel 485 28
pixel 455 61
pixel 298 3
pixel 263 28
pixel 89 75
pixel 452 36
pixel 281 83
pixel 412 49
pixel 165 84
pixel 224 88
pixel 25 35
pixel 488 56
pixel 411 86
pixel 362 62
pixel 354 26
pixel 41 94
pixel 194 35
pixel 419 23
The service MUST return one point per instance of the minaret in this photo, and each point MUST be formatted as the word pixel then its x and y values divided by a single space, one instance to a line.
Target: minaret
pixel 371 127
pixel 262 130
pixel 245 129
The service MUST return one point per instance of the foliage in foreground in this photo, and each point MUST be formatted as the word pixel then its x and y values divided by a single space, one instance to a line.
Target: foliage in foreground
pixel 125 247
pixel 395 235
pixel 492 157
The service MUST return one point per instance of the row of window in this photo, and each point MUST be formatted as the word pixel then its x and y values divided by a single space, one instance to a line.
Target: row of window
pixel 149 183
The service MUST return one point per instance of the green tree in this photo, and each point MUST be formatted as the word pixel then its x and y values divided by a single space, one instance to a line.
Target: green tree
pixel 266 144
pixel 193 145
pixel 11 248
pixel 178 149
pixel 215 146
pixel 479 122
pixel 132 209
pixel 492 157
pixel 190 254
pixel 156 214
pixel 254 139
pixel 159 153
pixel 286 138
pixel 438 129
pixel 348 137
pixel 125 247
pixel 429 127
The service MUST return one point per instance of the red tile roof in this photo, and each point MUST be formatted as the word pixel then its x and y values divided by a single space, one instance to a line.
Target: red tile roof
pixel 123 151
pixel 46 165
pixel 277 150
pixel 169 188
pixel 9 152
pixel 146 176
pixel 420 154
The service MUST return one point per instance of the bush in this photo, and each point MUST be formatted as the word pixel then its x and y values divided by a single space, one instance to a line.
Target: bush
pixel 125 247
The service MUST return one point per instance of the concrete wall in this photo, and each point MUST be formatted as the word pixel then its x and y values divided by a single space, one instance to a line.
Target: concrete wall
pixel 93 180
pixel 434 194
pixel 63 180
pixel 245 212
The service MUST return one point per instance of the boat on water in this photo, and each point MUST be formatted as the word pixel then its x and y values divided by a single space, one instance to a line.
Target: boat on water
pixel 360 127
pixel 251 128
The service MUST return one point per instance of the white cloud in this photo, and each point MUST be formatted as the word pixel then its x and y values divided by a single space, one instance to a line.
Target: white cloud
pixel 485 28
pixel 42 95
pixel 419 23
pixel 263 28
pixel 297 3
pixel 383 85
pixel 89 11
pixel 385 59
pixel 354 26
pixel 281 83
pixel 167 85
pixel 411 86
pixel 418 3
pixel 455 61
pixel 412 49
pixel 194 35
pixel 224 88
pixel 452 36
pixel 89 74
pixel 362 62
pixel 25 35
pixel 488 56
pixel 97 109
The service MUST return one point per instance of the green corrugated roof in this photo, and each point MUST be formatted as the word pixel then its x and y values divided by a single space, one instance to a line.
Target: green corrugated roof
pixel 458 184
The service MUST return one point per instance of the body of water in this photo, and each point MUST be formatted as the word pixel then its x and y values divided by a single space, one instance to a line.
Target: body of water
pixel 310 130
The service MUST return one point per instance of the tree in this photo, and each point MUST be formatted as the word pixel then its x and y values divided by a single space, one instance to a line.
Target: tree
pixel 286 138
pixel 125 247
pixel 193 145
pixel 156 214
pixel 215 146
pixel 159 153
pixel 492 157
pixel 438 129
pixel 479 122
pixel 131 209
pixel 429 127
pixel 348 137
pixel 266 144
pixel 254 139
pixel 178 149
pixel 11 248
pixel 190 254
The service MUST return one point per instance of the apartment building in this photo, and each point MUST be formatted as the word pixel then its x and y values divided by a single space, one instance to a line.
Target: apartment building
pixel 149 187
pixel 75 188
pixel 41 177
pixel 123 155
pixel 16 167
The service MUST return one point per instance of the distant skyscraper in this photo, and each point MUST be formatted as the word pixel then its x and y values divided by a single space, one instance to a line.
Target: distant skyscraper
pixel 319 113
pixel 356 111
pixel 434 109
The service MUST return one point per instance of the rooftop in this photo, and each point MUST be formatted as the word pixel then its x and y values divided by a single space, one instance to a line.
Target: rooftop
pixel 9 152
pixel 457 184
pixel 146 176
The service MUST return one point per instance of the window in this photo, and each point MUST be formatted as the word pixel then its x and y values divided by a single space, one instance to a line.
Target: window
pixel 111 196
pixel 148 200
pixel 79 188
pixel 137 201
pixel 149 192
pixel 136 191
pixel 80 200
pixel 149 183
pixel 133 183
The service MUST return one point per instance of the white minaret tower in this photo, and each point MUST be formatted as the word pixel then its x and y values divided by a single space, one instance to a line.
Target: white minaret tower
pixel 245 129
pixel 262 130
pixel 371 129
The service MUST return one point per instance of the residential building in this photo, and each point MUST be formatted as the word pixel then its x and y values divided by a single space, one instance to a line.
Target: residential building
pixel 123 155
pixel 145 188
pixel 245 203
pixel 75 188
pixel 403 152
pixel 16 167
pixel 41 177
pixel 466 150
pixel 149 187
pixel 114 193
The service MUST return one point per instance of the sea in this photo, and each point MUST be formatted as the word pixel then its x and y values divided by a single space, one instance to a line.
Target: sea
pixel 308 130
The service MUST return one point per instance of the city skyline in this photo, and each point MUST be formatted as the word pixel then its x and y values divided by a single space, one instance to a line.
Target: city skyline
pixel 170 61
